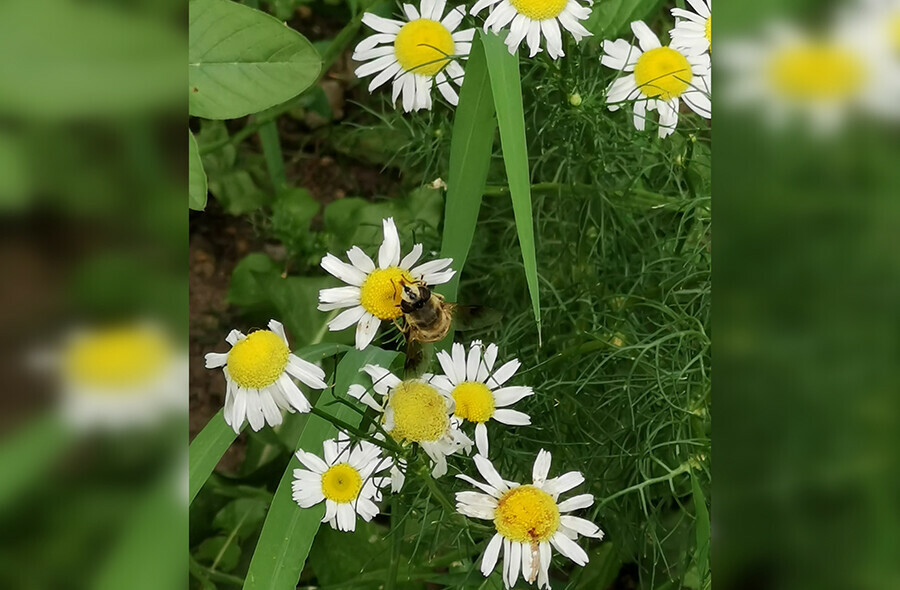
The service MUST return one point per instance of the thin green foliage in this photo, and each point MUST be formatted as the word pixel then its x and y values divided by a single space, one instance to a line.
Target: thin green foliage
pixel 206 450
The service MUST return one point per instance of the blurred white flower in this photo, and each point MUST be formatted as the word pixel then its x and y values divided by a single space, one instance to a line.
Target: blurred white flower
pixel 416 54
pixel 346 481
pixel 657 78
pixel 258 375
pixel 693 30
pixel 415 411
pixel 528 20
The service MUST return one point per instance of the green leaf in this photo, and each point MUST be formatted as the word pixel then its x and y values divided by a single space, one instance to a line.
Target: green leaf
pixel 241 517
pixel 507 89
pixel 474 125
pixel 271 144
pixel 611 18
pixel 292 213
pixel 702 528
pixel 289 530
pixel 222 553
pixel 243 61
pixel 205 451
pixel 196 176
pixel 245 290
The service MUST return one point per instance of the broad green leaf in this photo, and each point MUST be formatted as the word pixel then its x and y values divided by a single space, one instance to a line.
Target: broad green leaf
pixel 292 213
pixel 507 90
pixel 611 18
pixel 289 530
pixel 474 125
pixel 28 454
pixel 196 176
pixel 205 451
pixel 222 553
pixel 245 290
pixel 702 528
pixel 242 61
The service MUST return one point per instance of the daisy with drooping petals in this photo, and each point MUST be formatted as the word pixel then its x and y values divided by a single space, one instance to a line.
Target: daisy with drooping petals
pixel 345 480
pixel 415 411
pixel 258 371
pixel 416 54
pixel 658 78
pixel 477 389
pixel 528 520
pixel 530 19
pixel 693 30
pixel 374 293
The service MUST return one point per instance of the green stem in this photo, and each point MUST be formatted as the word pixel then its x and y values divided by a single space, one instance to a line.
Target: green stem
pixel 397 539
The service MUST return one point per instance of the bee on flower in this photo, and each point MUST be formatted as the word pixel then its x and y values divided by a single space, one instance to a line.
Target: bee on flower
pixel 259 372
pixel 374 293
pixel 528 20
pixel 415 411
pixel 529 520
pixel 657 78
pixel 477 389
pixel 421 52
pixel 345 478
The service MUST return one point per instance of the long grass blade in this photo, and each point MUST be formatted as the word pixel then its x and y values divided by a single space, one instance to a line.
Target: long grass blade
pixel 289 530
pixel 206 450
pixel 506 87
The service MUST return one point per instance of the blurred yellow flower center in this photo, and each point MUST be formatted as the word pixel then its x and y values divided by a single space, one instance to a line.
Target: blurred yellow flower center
pixel 539 9
pixel 708 32
pixel 420 412
pixel 662 73
pixel 341 483
pixel 894 32
pixel 118 358
pixel 816 72
pixel 474 401
pixel 424 47
pixel 258 360
pixel 380 293
pixel 527 515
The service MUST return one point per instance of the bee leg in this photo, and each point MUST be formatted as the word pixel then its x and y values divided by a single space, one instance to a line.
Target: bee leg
pixel 404 329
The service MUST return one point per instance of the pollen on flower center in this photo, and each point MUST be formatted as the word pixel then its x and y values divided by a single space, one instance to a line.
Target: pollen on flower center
pixel 816 72
pixel 424 47
pixel 474 401
pixel 539 9
pixel 258 360
pixel 380 293
pixel 341 483
pixel 527 515
pixel 420 412
pixel 116 358
pixel 662 73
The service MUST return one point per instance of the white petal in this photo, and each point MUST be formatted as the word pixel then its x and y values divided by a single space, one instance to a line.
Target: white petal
pixel 491 553
pixel 569 548
pixel 234 336
pixel 410 11
pixel 646 38
pixel 481 5
pixel 397 86
pixel 337 297
pixel 437 9
pixel 501 16
pixel 382 25
pixel 620 55
pixel 507 396
pixel 214 360
pixel 544 572
pixel 370 42
pixel 346 517
pixel 489 473
pixel 453 18
pixel 701 6
pixel 622 89
pixel 410 259
pixel 481 439
pixel 699 103
pixel 389 252
pixel 409 92
pixel 511 417
pixel 668 117
pixel 311 461
pixel 347 318
pixel 562 484
pixel 254 410
pixel 503 374
pixel 571 24
pixel 517 32
pixel 376 65
pixel 359 392
pixel 550 28
pixel 239 413
pixel 486 488
pixel 383 76
pixel 576 503
pixel 640 114
pixel 345 272
pixel 366 330
pixel 533 37
pixel 382 379
pixel 464 36
pixel 581 526
pixel 293 394
pixel 306 372
pixel 541 468
pixel 269 408
pixel 330 513
pixel 472 361
pixel 515 556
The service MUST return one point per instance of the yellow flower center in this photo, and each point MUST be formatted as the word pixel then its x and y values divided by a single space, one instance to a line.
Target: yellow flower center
pixel 527 515
pixel 539 9
pixel 474 401
pixel 341 483
pixel 708 32
pixel 115 359
pixel 816 72
pixel 894 32
pixel 662 73
pixel 424 47
pixel 380 293
pixel 258 360
pixel 420 412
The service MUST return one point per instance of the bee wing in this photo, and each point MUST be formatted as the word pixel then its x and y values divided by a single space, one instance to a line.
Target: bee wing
pixel 475 317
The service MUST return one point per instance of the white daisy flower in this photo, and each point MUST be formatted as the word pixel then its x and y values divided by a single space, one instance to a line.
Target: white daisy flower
pixel 374 294
pixel 693 30
pixel 658 78
pixel 117 377
pixel 528 520
pixel 415 411
pixel 476 388
pixel 258 371
pixel 530 19
pixel 345 480
pixel 416 54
